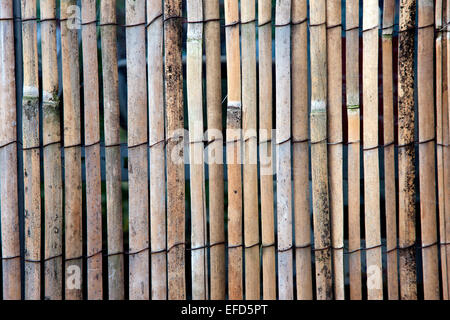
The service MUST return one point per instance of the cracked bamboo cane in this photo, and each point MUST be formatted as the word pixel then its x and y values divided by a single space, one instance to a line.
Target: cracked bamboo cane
pixel 250 152
pixel 269 286
pixel 53 201
pixel 283 143
pixel 335 137
pixel 215 149
pixel 8 158
pixel 370 153
pixel 353 120
pixel 175 164
pixel 406 153
pixel 31 166
pixel 92 150
pixel 427 168
pixel 233 152
pixel 389 151
pixel 319 163
pixel 157 163
pixel 72 152
pixel 194 55
pixel 112 152
pixel 137 152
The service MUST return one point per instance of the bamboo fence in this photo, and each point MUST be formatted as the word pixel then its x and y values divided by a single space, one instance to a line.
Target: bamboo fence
pixel 313 105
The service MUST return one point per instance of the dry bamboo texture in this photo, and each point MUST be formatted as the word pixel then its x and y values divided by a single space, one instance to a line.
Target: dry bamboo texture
pixel 307 102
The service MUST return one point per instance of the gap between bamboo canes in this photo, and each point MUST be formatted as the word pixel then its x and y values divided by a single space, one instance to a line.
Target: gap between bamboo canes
pixel 92 152
pixel 269 288
pixel 31 167
pixel 137 152
pixel 112 153
pixel 72 153
pixel 446 141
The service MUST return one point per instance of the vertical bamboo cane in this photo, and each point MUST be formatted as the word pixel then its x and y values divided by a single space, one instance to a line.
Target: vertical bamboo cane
pixel 137 151
pixel 233 140
pixel 32 175
pixel 250 169
pixel 265 148
pixel 335 136
pixel 72 152
pixel 283 125
pixel 353 119
pixel 157 163
pixel 92 150
pixel 52 154
pixel 370 136
pixel 8 159
pixel 446 138
pixel 389 151
pixel 318 118
pixel 406 153
pixel 425 72
pixel 175 170
pixel 215 148
pixel 112 152
pixel 194 57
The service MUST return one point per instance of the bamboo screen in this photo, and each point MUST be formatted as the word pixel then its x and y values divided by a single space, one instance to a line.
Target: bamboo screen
pixel 207 149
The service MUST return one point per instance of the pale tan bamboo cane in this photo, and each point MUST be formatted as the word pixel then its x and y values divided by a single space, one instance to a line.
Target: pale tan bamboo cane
pixel 406 153
pixel 233 152
pixel 52 154
pixel 31 166
pixel 389 151
pixel 269 285
pixel 446 139
pixel 440 15
pixel 137 151
pixel 157 162
pixel 215 149
pixel 92 150
pixel 427 168
pixel 250 152
pixel 112 151
pixel 194 57
pixel 353 120
pixel 175 163
pixel 72 151
pixel 319 162
pixel 370 138
pixel 335 136
pixel 8 158
pixel 283 143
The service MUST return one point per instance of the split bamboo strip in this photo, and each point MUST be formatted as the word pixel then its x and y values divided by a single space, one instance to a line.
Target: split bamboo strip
pixel 370 138
pixel 52 154
pixel 175 165
pixel 440 100
pixel 194 57
pixel 157 163
pixel 406 153
pixel 300 150
pixel 233 152
pixel 427 167
pixel 446 138
pixel 8 158
pixel 319 162
pixel 137 151
pixel 265 149
pixel 389 151
pixel 92 150
pixel 250 152
pixel 283 143
pixel 112 152
pixel 72 152
pixel 353 169
pixel 31 166
pixel 215 149
pixel 335 137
